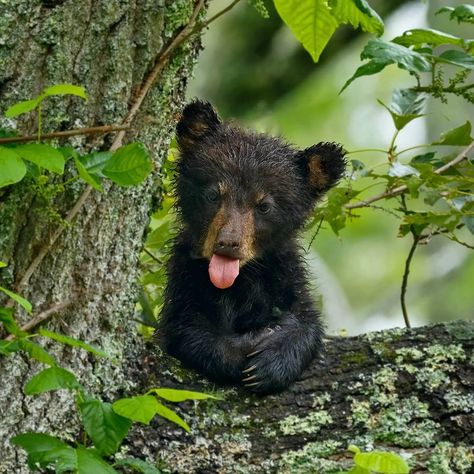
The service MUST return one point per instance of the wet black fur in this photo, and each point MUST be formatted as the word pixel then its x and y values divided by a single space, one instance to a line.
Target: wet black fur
pixel 268 308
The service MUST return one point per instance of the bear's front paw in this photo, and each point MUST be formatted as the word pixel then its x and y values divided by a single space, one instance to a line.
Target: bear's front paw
pixel 270 369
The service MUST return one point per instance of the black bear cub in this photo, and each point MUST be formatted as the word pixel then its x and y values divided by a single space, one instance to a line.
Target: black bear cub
pixel 237 305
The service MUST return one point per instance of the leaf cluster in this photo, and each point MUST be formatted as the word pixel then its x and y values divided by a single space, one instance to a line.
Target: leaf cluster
pixel 105 424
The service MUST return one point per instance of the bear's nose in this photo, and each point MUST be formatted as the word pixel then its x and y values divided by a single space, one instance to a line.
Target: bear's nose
pixel 228 247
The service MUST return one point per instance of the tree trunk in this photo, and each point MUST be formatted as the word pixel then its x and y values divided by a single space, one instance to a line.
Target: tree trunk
pixel 109 47
pixel 406 391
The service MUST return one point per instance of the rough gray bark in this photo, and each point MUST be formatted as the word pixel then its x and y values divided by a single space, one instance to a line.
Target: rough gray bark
pixel 107 46
pixel 407 391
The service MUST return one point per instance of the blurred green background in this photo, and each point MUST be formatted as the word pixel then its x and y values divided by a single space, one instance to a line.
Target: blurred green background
pixel 254 71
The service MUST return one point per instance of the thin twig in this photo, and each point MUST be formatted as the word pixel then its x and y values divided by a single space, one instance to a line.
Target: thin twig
pixel 206 23
pixel 41 317
pixel 155 258
pixel 160 62
pixel 315 234
pixel 401 189
pixel 416 239
pixel 104 129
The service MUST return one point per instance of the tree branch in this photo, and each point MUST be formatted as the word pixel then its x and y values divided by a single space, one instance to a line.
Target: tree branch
pixel 102 130
pixel 41 317
pixel 401 189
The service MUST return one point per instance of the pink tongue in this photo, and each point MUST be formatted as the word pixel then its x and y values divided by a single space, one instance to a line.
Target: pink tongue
pixel 223 271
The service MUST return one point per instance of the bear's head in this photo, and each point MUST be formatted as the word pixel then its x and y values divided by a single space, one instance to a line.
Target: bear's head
pixel 242 194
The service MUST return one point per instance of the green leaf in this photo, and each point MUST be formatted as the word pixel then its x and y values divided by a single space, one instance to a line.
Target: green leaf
pixel 461 13
pixel 458 58
pixel 22 107
pixel 6 318
pixel 88 462
pixel 459 136
pixel 3 264
pixel 8 347
pixel 44 156
pixel 406 106
pixel 170 415
pixel 310 21
pixel 469 222
pixel 419 37
pixel 53 378
pixel 372 67
pixel 94 181
pixel 12 167
pixel 383 53
pixel 129 165
pixel 141 408
pixel 44 450
pixel 400 170
pixel 358 13
pixel 19 299
pixel 36 351
pixel 138 465
pixel 62 89
pixel 106 428
pixel 382 462
pixel 175 395
pixel 72 342
pixel 95 162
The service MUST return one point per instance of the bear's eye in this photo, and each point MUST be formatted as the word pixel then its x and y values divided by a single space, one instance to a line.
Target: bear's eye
pixel 264 207
pixel 212 195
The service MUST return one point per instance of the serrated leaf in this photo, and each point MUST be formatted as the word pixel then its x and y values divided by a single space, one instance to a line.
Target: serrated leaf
pixel 35 351
pixel 310 21
pixel 8 321
pixel 24 303
pixel 44 156
pixel 106 428
pixel 70 341
pixel 400 170
pixel 382 462
pixel 358 13
pixel 382 53
pixel 458 136
pixel 44 450
pixel 129 165
pixel 22 107
pixel 12 167
pixel 138 465
pixel 175 395
pixel 94 181
pixel 63 89
pixel 141 408
pixel 170 415
pixel 456 57
pixel 461 13
pixel 417 37
pixel 53 378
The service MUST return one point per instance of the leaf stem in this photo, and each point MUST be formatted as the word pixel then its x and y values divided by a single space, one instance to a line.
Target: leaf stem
pixel 364 150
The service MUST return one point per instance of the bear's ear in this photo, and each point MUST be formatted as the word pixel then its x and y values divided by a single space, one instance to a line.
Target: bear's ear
pixel 322 165
pixel 197 120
